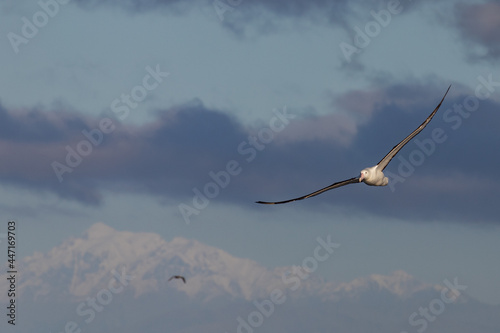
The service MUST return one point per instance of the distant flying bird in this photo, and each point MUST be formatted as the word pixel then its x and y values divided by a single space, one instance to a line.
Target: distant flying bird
pixel 178 277
pixel 374 175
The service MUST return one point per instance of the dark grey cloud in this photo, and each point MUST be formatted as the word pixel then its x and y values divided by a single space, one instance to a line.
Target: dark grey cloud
pixel 178 148
pixel 33 125
pixel 174 155
pixel 479 25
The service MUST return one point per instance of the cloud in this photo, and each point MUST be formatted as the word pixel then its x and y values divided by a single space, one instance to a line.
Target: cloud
pixel 249 18
pixel 180 145
pixel 177 6
pixel 175 153
pixel 479 25
pixel 34 125
pixel 339 128
pixel 258 17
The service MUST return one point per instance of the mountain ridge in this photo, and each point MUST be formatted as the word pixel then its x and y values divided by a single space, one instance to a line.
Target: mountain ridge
pixel 80 266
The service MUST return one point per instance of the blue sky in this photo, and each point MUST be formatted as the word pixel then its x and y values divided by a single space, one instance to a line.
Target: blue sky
pixel 227 79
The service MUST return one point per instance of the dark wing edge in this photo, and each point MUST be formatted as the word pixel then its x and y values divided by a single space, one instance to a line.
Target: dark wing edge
pixel 387 158
pixel 330 187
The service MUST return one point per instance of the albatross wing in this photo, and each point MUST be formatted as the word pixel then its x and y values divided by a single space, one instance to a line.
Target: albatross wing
pixel 330 187
pixel 387 158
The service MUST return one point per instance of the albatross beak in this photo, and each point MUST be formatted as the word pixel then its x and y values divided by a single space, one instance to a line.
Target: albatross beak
pixel 361 177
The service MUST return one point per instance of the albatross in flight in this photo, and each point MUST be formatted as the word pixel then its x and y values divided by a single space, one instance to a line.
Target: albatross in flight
pixel 374 175
pixel 178 277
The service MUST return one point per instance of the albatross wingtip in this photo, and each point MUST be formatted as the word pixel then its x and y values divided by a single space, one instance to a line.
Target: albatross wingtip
pixel 446 93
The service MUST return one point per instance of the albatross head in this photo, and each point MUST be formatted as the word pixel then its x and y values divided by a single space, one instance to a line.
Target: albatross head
pixel 365 175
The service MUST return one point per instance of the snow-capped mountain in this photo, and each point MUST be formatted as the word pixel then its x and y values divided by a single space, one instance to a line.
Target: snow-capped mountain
pixel 80 266
pixel 398 283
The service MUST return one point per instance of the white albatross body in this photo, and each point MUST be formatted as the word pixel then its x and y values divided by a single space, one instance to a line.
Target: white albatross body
pixel 373 176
